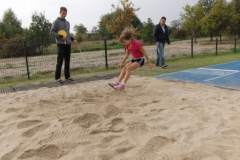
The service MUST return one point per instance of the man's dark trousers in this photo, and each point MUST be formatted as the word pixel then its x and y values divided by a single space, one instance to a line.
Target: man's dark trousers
pixel 64 54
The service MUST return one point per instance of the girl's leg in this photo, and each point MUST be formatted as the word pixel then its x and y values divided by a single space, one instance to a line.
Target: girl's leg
pixel 123 72
pixel 131 67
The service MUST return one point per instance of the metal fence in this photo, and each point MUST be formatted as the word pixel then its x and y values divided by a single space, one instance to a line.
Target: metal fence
pixel 28 66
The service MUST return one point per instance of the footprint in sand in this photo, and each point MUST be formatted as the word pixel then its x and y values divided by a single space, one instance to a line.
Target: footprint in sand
pixel 10 155
pixel 144 104
pixel 155 101
pixel 28 123
pixel 111 111
pixel 87 120
pixel 12 110
pixel 123 147
pixel 198 155
pixel 153 146
pixel 22 116
pixel 115 126
pixel 137 128
pixel 45 152
pixel 230 132
pixel 107 140
pixel 31 132
pixel 90 97
pixel 27 110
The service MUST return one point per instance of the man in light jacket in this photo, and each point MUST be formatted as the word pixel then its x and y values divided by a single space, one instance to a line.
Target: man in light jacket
pixel 64 41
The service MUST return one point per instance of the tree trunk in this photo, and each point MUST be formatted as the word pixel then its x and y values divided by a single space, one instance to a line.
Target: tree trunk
pixel 195 39
pixel 194 36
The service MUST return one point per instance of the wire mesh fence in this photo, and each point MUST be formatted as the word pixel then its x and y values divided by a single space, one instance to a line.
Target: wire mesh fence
pixel 15 67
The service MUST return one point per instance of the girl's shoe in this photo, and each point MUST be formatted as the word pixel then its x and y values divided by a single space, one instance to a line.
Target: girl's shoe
pixel 113 84
pixel 120 87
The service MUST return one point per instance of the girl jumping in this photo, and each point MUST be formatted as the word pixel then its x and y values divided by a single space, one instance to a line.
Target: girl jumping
pixel 134 48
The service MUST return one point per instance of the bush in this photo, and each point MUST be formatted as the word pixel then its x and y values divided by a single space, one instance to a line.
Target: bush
pixel 13 47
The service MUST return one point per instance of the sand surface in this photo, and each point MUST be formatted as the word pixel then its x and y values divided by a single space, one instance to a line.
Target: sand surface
pixel 151 120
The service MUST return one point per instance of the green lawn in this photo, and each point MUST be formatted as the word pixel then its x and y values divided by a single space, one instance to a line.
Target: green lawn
pixel 175 64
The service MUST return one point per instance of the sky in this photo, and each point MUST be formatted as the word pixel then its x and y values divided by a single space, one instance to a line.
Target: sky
pixel 88 12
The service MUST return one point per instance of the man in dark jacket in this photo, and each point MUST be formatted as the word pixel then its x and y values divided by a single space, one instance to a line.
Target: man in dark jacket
pixel 63 40
pixel 161 35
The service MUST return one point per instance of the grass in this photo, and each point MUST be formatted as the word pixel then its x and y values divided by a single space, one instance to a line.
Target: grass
pixel 175 64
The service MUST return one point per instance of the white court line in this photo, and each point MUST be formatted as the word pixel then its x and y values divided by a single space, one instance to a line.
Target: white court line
pixel 224 70
pixel 220 76
pixel 214 69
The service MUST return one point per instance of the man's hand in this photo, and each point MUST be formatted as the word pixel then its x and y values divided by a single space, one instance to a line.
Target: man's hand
pixel 60 36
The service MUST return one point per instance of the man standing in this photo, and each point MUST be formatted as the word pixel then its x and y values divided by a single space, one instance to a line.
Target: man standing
pixel 60 29
pixel 161 35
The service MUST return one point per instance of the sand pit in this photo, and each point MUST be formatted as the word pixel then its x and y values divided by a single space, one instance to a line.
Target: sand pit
pixel 158 120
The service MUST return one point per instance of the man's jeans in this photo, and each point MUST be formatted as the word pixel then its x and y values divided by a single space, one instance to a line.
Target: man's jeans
pixel 64 54
pixel 160 54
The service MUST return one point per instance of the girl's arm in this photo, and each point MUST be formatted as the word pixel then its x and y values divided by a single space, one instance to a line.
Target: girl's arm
pixel 126 55
pixel 145 54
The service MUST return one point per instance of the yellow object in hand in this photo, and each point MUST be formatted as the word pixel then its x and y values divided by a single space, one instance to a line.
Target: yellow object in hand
pixel 63 34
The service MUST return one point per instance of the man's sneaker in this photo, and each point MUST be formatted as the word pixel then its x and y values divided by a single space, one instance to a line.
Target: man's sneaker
pixel 120 87
pixel 69 79
pixel 59 81
pixel 165 66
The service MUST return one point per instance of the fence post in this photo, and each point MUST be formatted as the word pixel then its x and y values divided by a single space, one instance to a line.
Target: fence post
pixel 216 46
pixel 106 55
pixel 192 46
pixel 26 59
pixel 235 44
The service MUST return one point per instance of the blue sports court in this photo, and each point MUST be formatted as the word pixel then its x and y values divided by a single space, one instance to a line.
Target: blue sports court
pixel 225 75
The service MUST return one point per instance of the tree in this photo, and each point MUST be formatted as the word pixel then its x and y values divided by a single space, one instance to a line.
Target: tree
pixel 123 16
pixel 81 31
pixel 177 31
pixel 191 19
pixel 235 17
pixel 10 25
pixel 136 23
pixel 104 23
pixel 38 34
pixel 147 31
pixel 219 17
pixel 206 6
